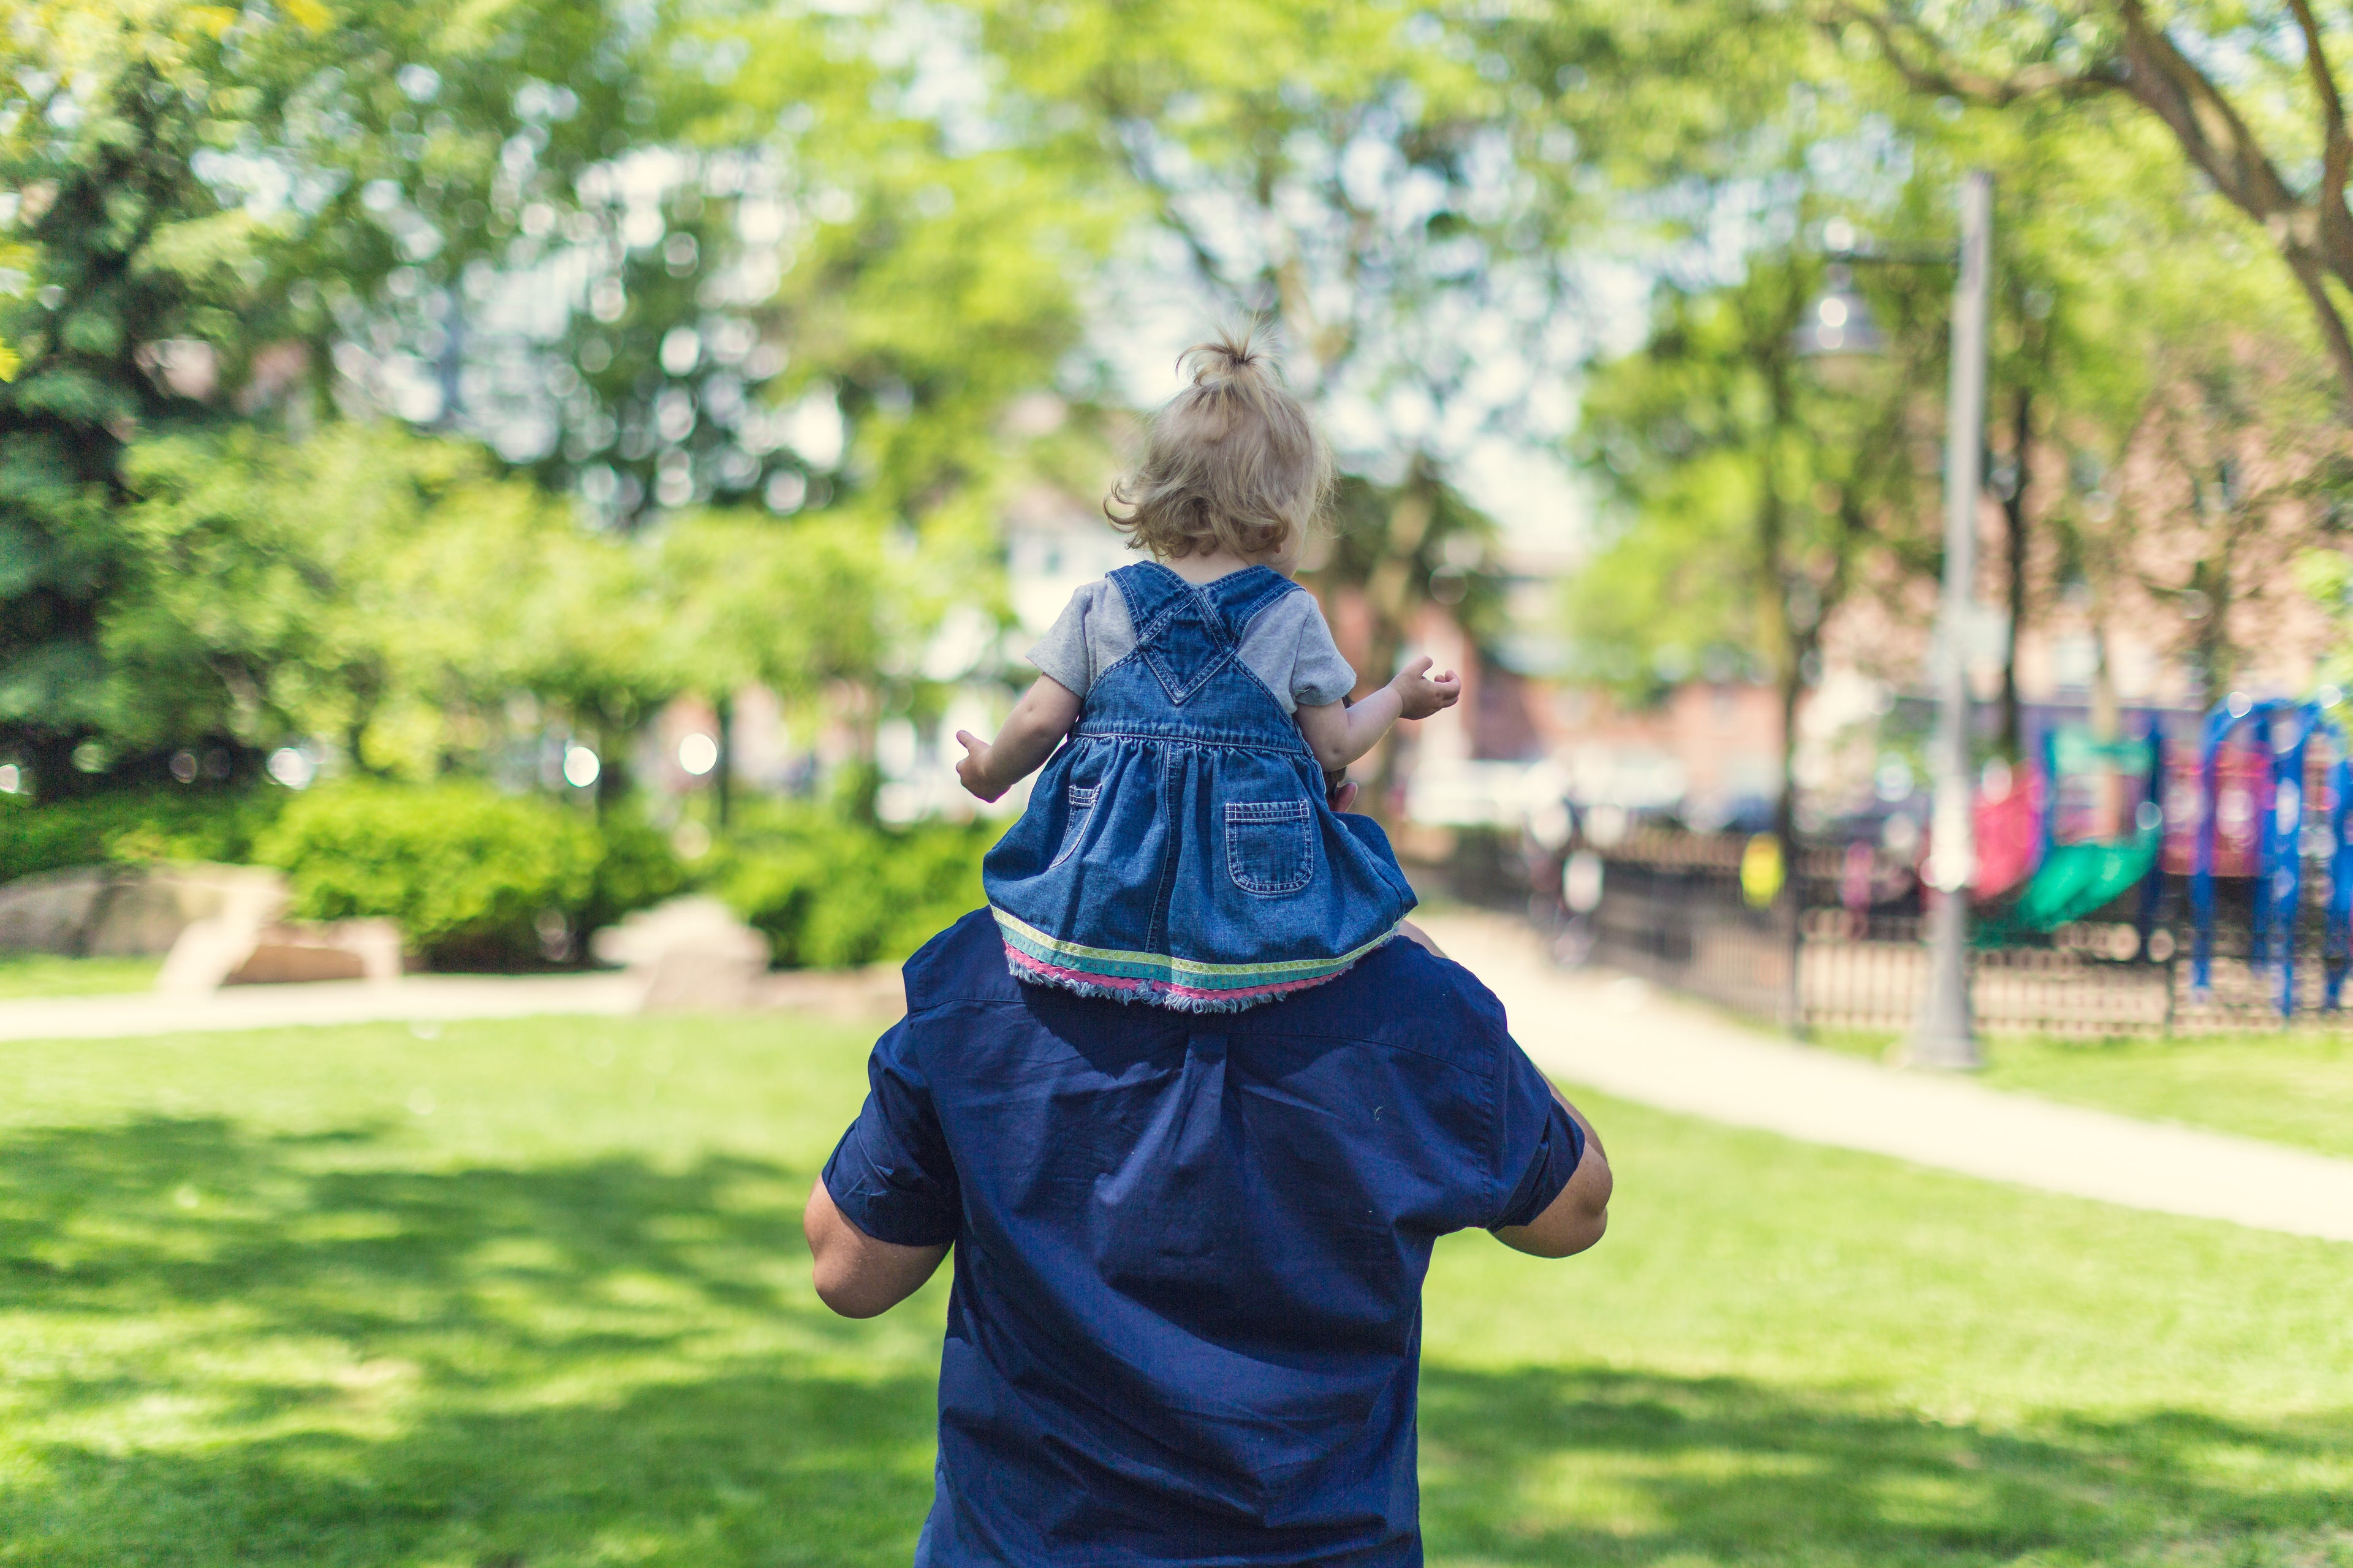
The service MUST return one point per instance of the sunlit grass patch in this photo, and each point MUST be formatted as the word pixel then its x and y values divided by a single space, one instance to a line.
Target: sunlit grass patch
pixel 26 976
pixel 257 1308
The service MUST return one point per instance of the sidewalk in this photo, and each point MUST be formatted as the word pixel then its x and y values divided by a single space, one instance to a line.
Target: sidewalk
pixel 1626 1039
pixel 438 998
pixel 1615 1035
pixel 872 993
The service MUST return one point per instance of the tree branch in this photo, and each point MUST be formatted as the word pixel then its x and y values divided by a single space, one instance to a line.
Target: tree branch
pixel 2337 149
pixel 1896 45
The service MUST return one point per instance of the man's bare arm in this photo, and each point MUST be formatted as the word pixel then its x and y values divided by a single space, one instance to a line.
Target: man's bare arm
pixel 858 1276
pixel 1574 1220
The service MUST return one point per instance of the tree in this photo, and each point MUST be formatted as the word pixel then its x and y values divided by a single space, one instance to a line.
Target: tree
pixel 1755 495
pixel 179 180
pixel 682 252
pixel 391 592
pixel 2234 476
pixel 1376 183
pixel 2132 310
pixel 2255 108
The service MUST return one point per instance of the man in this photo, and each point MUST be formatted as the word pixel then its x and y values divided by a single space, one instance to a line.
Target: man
pixel 1187 1317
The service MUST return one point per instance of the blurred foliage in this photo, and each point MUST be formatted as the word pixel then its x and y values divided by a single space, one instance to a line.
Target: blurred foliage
pixel 434 386
pixel 2158 430
pixel 830 889
pixel 132 827
pixel 637 868
pixel 658 258
pixel 190 190
pixel 468 873
pixel 1376 185
pixel 2251 100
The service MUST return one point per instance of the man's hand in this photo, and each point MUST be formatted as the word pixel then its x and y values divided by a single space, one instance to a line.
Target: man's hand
pixel 1420 694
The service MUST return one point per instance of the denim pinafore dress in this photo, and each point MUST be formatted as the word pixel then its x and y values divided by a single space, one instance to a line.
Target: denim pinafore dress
pixel 1177 848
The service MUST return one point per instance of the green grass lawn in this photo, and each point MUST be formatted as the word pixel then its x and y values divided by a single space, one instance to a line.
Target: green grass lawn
pixel 2289 1086
pixel 534 1293
pixel 24 974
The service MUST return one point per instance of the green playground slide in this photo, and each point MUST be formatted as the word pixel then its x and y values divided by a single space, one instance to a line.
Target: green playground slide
pixel 2076 878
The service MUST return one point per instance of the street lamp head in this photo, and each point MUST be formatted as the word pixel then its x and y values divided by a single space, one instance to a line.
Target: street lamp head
pixel 1838 324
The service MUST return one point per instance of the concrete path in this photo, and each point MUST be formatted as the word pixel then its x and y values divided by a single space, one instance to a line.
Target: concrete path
pixel 416 997
pixel 1616 1035
pixel 1626 1039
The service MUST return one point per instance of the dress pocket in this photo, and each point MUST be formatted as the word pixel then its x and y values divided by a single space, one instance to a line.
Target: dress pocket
pixel 1082 799
pixel 1270 845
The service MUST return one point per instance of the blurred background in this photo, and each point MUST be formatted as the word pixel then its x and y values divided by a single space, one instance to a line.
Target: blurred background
pixel 637 435
pixel 504 504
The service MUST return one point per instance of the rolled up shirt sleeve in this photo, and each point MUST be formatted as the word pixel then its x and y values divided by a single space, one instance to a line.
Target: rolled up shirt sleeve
pixel 1541 1143
pixel 891 1175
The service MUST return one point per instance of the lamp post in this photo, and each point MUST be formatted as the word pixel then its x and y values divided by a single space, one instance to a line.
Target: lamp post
pixel 1946 1037
pixel 1838 326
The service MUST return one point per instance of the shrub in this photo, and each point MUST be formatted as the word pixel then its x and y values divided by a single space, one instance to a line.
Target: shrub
pixel 466 871
pixel 132 827
pixel 830 890
pixel 637 868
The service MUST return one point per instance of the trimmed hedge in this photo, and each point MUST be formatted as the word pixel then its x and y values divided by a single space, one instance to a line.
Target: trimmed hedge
pixel 467 872
pixel 830 890
pixel 132 827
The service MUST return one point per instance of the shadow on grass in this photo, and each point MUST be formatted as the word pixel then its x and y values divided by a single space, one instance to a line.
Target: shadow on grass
pixel 238 1350
pixel 230 1349
pixel 1545 1466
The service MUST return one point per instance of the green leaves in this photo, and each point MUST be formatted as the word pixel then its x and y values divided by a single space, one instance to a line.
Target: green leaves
pixel 467 872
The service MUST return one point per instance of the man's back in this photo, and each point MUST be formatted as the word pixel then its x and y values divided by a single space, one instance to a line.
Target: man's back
pixel 1188 1250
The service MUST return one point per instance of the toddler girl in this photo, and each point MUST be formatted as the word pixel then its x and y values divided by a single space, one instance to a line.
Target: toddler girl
pixel 1179 848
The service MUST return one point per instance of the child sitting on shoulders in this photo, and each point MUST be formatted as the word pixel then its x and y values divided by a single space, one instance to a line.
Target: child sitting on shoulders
pixel 1179 847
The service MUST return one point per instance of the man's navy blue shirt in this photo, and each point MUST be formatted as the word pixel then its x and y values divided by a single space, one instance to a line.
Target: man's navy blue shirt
pixel 1190 1248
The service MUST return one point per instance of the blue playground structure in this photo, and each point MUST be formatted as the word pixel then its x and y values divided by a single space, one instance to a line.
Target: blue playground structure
pixel 2279 860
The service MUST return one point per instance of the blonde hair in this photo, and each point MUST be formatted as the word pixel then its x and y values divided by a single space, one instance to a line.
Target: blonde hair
pixel 1232 463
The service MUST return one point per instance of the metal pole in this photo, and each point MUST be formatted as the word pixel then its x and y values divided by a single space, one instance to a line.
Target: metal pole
pixel 1946 1038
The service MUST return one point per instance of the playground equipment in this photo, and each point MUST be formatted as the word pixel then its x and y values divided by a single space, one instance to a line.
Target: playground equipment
pixel 2070 838
pixel 2097 844
pixel 2276 813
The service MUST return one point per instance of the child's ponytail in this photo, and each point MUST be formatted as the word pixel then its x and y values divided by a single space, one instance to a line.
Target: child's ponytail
pixel 1231 462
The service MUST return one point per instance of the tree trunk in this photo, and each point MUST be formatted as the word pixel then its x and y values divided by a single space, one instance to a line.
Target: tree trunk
pixel 2014 506
pixel 612 771
pixel 1389 593
pixel 1791 905
pixel 723 771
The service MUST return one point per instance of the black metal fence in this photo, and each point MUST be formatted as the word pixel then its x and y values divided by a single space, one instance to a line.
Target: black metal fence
pixel 1840 946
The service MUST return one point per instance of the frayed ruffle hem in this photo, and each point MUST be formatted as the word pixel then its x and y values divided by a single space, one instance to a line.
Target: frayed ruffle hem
pixel 1161 980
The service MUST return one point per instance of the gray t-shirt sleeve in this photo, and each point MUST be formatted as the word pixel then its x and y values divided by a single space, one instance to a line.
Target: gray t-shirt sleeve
pixel 1291 650
pixel 1319 674
pixel 1092 633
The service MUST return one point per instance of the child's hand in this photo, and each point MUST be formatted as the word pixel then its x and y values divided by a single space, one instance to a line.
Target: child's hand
pixel 1419 694
pixel 973 769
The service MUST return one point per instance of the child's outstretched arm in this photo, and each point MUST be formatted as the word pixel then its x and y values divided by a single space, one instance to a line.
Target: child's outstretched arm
pixel 1338 734
pixel 1037 725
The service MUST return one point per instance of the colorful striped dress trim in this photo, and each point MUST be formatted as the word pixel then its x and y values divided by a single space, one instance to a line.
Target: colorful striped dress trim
pixel 1162 978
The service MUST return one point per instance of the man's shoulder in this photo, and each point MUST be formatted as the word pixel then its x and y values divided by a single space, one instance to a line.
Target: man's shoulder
pixel 1403 996
pixel 1398 995
pixel 964 963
